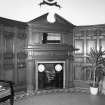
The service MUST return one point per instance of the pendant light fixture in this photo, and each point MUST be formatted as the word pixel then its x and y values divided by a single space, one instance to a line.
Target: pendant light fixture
pixel 51 14
pixel 51 17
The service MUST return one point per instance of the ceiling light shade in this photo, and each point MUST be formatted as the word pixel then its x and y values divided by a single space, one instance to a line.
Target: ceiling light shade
pixel 51 17
pixel 41 68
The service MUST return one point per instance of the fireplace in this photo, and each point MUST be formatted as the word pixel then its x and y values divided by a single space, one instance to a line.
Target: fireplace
pixel 49 66
pixel 50 75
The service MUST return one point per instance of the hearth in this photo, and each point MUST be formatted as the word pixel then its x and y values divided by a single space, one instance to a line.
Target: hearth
pixel 50 75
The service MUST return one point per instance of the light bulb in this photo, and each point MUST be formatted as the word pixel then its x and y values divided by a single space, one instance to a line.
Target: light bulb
pixel 51 17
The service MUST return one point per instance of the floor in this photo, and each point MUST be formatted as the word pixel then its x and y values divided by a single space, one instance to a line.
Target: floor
pixel 62 99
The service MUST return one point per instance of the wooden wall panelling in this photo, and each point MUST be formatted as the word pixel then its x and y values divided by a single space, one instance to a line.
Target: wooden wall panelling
pixel 81 76
pixel 77 72
pixel 102 43
pixel 0 53
pixel 15 55
pixel 86 72
pixel 103 32
pixel 21 63
pixel 22 35
pixel 21 45
pixel 30 75
pixel 79 44
pixel 80 72
pixel 78 59
pixel 90 43
pixel 91 33
pixel 20 59
pixel 8 75
pixel 1 50
pixel 67 38
pixel 78 33
pixel 21 74
pixel 36 38
pixel 93 37
pixel 8 42
pixel 8 54
pixel 67 73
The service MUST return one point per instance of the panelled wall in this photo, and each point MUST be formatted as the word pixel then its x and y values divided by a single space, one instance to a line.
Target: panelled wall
pixel 56 48
pixel 13 38
pixel 86 37
pixel 21 47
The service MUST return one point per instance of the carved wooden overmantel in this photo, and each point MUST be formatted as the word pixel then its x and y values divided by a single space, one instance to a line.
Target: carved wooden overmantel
pixel 45 52
pixel 49 53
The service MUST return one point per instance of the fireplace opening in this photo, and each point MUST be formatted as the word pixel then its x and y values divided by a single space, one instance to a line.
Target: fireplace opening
pixel 50 75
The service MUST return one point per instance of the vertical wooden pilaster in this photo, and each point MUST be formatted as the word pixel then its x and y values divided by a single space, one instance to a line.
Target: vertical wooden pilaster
pixel 30 65
pixel 30 73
